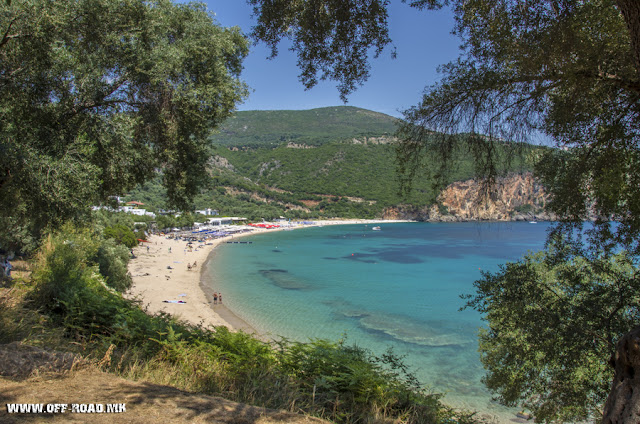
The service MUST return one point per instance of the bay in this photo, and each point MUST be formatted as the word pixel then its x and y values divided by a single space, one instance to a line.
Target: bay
pixel 399 287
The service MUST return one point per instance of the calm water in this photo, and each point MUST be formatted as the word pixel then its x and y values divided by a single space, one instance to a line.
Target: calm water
pixel 398 288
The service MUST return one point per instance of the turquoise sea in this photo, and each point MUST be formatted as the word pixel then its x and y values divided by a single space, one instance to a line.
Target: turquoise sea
pixel 399 287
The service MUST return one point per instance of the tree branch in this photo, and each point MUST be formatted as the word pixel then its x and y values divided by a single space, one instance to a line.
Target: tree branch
pixel 6 37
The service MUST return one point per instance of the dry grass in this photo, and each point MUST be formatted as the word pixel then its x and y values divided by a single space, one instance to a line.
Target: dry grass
pixel 149 400
pixel 145 402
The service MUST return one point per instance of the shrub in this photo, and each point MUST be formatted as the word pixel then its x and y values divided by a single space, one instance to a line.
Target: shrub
pixel 112 261
pixel 524 208
pixel 122 235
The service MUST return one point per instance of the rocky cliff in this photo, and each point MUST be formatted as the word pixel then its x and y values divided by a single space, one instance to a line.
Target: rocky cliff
pixel 517 197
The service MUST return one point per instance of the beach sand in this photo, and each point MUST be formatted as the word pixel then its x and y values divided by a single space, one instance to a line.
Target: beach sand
pixel 154 282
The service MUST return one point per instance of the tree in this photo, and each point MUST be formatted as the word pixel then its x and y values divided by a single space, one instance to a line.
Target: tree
pixel 331 37
pixel 569 70
pixel 554 318
pixel 122 235
pixel 97 95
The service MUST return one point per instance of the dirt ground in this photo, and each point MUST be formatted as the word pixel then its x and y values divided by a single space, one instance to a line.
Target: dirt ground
pixel 31 375
pixel 144 402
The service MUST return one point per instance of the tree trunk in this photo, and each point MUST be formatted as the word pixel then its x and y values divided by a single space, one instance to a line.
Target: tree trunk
pixel 623 404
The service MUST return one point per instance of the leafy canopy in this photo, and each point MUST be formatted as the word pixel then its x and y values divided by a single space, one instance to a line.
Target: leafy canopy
pixel 95 95
pixel 554 318
pixel 332 38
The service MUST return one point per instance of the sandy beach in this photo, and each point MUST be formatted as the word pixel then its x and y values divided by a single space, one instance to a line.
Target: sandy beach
pixel 160 273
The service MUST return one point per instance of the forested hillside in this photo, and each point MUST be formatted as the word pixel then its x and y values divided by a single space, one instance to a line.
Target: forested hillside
pixel 329 162
pixel 260 128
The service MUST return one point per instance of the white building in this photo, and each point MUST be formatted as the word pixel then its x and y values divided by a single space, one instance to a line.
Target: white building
pixel 208 212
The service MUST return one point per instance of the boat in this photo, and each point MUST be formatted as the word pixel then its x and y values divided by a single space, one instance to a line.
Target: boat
pixel 376 228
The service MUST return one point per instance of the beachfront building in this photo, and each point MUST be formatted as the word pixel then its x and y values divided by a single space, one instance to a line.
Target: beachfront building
pixel 219 221
pixel 141 212
pixel 134 208
pixel 208 212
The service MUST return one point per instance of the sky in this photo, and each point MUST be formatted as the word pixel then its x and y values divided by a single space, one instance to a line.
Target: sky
pixel 423 41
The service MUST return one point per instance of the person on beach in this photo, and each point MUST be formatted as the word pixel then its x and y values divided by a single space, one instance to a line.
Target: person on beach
pixel 215 298
pixel 188 267
pixel 220 297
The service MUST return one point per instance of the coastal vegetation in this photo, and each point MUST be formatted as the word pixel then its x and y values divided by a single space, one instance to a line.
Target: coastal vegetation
pixel 95 96
pixel 78 308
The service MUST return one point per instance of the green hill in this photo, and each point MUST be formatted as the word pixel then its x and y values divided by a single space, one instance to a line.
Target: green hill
pixel 329 162
pixel 316 126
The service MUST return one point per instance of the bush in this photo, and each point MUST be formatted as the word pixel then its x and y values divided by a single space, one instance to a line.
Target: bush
pixel 443 209
pixel 122 235
pixel 112 261
pixel 525 208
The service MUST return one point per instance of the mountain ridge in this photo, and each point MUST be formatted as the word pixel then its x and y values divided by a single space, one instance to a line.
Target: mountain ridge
pixel 267 164
pixel 317 126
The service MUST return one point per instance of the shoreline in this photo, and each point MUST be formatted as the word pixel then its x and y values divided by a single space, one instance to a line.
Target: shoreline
pixel 233 321
pixel 159 275
pixel 199 286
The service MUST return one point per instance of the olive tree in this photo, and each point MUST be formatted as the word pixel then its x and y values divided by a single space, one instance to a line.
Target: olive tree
pixel 97 95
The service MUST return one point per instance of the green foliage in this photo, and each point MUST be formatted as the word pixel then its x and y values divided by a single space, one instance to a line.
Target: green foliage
pixel 68 287
pixel 553 320
pixel 168 221
pixel 122 235
pixel 331 380
pixel 332 39
pixel 270 128
pixel 112 262
pixel 348 382
pixel 66 280
pixel 97 94
pixel 104 218
pixel 526 208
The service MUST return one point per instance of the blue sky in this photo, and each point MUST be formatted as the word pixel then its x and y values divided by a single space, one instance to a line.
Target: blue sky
pixel 422 39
